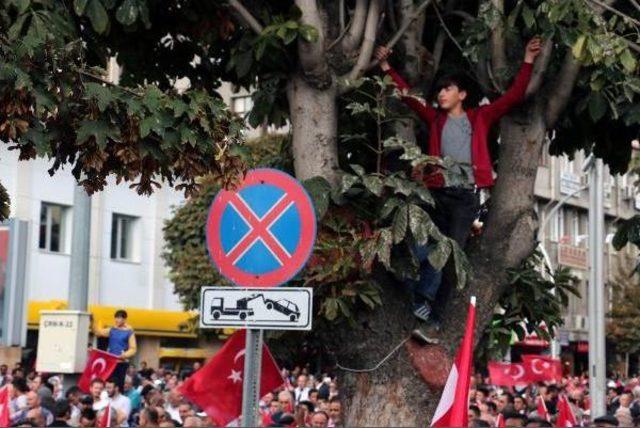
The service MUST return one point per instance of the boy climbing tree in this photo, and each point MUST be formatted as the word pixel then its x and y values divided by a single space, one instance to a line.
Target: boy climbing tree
pixel 460 134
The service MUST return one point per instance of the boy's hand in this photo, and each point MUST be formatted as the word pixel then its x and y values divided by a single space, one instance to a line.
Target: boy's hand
pixel 532 50
pixel 381 54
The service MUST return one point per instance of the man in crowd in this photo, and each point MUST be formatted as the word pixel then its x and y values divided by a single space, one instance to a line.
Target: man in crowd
pixel 335 412
pixel 185 409
pixel 319 419
pixel 122 343
pixel 73 396
pixel 95 389
pixel 148 417
pixel 33 411
pixel 88 418
pixel 120 403
pixel 301 392
pixel 62 414
pixel 173 403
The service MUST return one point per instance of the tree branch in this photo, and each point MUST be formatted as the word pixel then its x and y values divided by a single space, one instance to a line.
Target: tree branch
pixel 635 4
pixel 498 44
pixel 246 16
pixel 356 27
pixel 391 13
pixel 343 25
pixel 561 92
pixel 368 44
pixel 462 14
pixel 405 25
pixel 540 67
pixel 312 55
pixel 616 11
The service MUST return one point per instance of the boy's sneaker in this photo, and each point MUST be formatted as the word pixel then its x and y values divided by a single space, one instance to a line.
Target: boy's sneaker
pixel 422 311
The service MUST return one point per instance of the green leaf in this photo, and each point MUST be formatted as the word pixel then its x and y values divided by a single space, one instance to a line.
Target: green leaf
pixel 21 5
pixel 628 61
pixel 127 13
pixel 98 129
pixel 440 254
pixel 319 190
pixel 389 206
pixel 357 169
pixel 578 47
pixel 100 94
pixel 373 183
pixel 420 224
pixel 97 14
pixel 347 181
pixel 462 266
pixel 597 106
pixel 528 17
pixel 385 241
pixel 400 224
pixel 143 11
pixel 309 33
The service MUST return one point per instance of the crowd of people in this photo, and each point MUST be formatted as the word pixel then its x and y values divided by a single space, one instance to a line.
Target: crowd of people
pixel 493 406
pixel 151 398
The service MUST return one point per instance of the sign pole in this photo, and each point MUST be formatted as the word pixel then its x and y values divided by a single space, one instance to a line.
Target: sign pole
pixel 251 381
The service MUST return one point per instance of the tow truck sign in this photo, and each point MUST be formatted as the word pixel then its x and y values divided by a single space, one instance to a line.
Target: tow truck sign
pixel 284 308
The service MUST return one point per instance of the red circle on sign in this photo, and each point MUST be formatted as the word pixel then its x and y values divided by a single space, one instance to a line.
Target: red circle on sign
pixel 296 194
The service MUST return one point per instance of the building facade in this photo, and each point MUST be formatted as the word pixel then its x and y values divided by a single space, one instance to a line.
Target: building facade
pixel 565 239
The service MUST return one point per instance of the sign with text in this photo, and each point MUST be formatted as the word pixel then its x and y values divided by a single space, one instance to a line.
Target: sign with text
pixel 62 341
pixel 285 308
pixel 574 257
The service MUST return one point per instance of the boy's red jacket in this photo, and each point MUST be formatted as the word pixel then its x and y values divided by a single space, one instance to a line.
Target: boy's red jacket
pixel 481 119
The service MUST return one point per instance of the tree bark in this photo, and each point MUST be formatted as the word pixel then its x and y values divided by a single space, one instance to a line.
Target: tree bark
pixel 314 125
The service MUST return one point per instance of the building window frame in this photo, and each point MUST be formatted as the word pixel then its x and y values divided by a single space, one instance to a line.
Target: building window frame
pixel 124 243
pixel 53 233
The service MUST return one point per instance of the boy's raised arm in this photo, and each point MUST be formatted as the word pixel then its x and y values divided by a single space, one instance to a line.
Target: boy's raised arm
pixel 424 110
pixel 516 92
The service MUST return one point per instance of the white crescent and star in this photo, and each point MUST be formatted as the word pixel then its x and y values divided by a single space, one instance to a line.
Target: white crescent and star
pixel 99 362
pixel 509 372
pixel 238 355
pixel 236 376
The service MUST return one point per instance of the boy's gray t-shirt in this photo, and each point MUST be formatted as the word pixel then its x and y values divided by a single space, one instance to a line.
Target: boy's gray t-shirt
pixel 456 144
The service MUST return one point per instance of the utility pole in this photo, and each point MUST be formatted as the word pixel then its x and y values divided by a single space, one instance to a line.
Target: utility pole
pixel 597 355
pixel 80 247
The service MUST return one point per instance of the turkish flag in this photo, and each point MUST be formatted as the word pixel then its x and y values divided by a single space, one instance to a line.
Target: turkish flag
pixel 566 418
pixel 500 423
pixel 217 387
pixel 452 409
pixel 507 374
pixel 542 368
pixel 4 406
pixel 541 408
pixel 100 365
pixel 105 419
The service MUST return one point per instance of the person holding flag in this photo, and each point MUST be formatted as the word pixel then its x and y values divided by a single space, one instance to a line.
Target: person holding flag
pixel 122 343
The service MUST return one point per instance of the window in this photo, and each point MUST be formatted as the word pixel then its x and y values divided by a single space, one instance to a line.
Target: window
pixel 557 232
pixel 53 227
pixel 241 105
pixel 122 237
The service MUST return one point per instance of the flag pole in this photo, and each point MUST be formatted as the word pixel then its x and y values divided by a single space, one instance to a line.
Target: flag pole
pixel 251 381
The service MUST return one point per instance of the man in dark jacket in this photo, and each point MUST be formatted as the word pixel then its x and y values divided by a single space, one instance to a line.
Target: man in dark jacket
pixel 460 135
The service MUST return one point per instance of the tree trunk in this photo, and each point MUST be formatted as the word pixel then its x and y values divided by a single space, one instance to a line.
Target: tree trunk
pixel 314 124
pixel 406 389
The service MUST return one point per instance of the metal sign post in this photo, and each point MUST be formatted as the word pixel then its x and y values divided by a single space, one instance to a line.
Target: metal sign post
pixel 259 235
pixel 251 381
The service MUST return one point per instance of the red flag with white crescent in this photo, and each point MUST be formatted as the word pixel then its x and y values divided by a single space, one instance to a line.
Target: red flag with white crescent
pixel 507 374
pixel 542 368
pixel 452 409
pixel 100 364
pixel 4 406
pixel 217 386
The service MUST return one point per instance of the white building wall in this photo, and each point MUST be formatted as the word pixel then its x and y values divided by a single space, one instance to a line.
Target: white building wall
pixel 141 282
